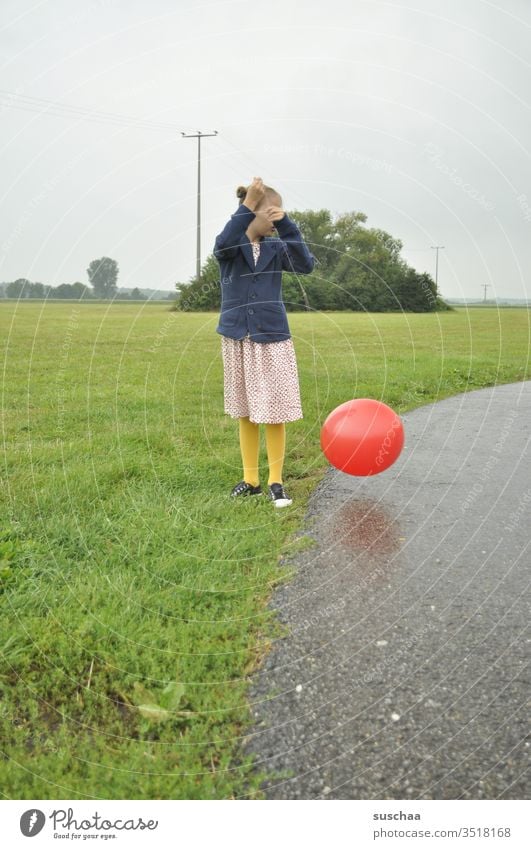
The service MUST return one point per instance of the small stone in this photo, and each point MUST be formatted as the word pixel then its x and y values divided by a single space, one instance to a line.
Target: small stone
pixel 381 642
pixel 298 688
pixel 395 717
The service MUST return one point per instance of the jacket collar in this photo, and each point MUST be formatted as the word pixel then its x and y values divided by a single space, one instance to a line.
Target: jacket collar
pixel 267 252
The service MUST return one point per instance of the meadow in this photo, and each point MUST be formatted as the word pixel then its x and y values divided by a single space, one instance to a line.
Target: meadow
pixel 134 591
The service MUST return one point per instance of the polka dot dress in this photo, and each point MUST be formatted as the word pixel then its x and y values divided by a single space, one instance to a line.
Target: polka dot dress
pixel 261 379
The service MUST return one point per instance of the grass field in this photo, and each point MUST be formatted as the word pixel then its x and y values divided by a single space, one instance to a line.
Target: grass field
pixel 134 591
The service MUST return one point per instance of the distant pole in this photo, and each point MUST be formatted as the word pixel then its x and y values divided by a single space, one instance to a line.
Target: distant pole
pixel 437 248
pixel 198 136
pixel 485 291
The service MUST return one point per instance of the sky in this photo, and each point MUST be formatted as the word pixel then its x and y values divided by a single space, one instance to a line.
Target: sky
pixel 414 112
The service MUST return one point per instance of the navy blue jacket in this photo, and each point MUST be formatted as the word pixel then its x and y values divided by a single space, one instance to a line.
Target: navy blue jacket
pixel 251 298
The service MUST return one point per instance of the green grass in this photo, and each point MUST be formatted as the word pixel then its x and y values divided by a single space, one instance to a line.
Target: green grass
pixel 134 592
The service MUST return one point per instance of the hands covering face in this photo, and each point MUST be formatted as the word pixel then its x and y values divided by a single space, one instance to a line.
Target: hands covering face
pixel 274 213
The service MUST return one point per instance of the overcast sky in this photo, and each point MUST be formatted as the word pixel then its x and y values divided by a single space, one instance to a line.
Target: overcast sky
pixel 415 112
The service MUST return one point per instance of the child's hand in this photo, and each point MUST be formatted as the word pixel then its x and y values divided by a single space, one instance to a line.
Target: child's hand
pixel 255 193
pixel 275 213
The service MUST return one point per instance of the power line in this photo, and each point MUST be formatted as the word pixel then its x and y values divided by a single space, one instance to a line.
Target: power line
pixel 259 166
pixel 57 109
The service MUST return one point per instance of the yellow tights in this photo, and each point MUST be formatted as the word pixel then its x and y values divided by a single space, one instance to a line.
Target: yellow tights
pixel 250 448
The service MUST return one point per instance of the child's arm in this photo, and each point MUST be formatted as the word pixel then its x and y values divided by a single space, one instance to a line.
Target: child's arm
pixel 230 238
pixel 228 241
pixel 295 254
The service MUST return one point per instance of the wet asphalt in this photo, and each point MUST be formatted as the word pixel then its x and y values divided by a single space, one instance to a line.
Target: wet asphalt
pixel 405 672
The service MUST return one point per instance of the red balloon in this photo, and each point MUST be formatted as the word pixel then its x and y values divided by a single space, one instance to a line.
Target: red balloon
pixel 362 437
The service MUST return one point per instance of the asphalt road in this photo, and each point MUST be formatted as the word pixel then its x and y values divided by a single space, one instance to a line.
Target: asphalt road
pixel 405 674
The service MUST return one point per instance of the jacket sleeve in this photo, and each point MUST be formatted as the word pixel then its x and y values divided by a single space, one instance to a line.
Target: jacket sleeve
pixel 230 238
pixel 295 253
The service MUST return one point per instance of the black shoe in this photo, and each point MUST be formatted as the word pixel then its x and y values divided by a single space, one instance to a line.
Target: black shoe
pixel 278 495
pixel 244 488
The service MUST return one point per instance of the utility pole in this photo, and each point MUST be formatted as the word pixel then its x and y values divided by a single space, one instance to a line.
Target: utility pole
pixel 198 136
pixel 485 291
pixel 437 248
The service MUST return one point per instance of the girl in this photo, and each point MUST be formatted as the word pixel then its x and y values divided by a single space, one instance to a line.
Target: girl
pixel 261 382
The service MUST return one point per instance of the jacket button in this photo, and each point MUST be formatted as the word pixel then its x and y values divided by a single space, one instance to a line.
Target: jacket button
pixel 251 311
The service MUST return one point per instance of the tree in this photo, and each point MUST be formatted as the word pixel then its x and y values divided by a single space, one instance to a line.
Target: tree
pixel 38 290
pixel 316 229
pixel 103 274
pixel 18 288
pixel 358 268
pixel 203 294
pixel 71 291
pixel 80 291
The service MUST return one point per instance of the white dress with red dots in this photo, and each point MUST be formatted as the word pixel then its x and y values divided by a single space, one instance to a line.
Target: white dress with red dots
pixel 261 379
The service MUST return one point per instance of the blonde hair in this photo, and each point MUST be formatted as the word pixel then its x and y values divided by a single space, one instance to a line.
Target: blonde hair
pixel 271 194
